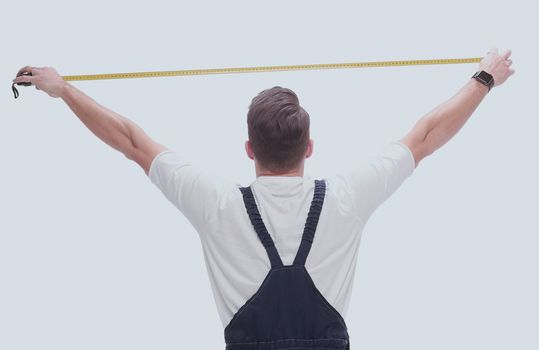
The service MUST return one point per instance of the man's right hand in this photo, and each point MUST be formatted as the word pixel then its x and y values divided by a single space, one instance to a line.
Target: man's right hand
pixel 43 78
pixel 497 65
pixel 439 125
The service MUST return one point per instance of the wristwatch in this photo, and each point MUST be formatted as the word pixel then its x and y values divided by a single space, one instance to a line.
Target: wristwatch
pixel 484 78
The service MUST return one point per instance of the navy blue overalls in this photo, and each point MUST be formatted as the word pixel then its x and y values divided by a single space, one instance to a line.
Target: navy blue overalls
pixel 287 311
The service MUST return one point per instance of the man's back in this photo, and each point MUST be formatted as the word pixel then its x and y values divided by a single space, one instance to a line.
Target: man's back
pixel 236 261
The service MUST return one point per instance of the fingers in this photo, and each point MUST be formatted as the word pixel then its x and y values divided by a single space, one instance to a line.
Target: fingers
pixel 24 79
pixel 24 69
pixel 506 54
pixel 28 69
pixel 508 62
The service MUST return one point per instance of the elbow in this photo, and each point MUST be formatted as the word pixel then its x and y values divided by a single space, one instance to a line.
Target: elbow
pixel 424 138
pixel 125 140
pixel 130 153
pixel 422 152
pixel 419 152
pixel 123 143
pixel 418 147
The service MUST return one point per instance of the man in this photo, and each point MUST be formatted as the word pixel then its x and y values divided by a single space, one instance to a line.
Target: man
pixel 233 221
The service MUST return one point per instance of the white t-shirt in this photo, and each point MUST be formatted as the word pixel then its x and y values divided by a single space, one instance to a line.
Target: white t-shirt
pixel 234 256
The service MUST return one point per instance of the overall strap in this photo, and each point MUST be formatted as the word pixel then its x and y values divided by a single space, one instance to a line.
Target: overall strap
pixel 260 228
pixel 311 223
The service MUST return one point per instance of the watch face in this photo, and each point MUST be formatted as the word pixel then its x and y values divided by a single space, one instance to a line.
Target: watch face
pixel 487 78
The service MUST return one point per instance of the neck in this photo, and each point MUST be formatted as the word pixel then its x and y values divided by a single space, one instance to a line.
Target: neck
pixel 265 172
pixel 279 174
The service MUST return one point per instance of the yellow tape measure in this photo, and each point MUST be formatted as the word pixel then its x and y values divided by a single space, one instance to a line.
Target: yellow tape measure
pixel 174 73
pixel 184 72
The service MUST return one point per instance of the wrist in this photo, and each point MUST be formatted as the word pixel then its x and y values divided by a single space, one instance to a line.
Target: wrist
pixel 64 90
pixel 477 86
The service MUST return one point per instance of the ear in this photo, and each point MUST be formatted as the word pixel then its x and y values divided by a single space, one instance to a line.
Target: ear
pixel 249 150
pixel 310 148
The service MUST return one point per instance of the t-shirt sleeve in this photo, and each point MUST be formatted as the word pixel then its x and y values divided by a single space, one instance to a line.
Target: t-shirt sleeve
pixel 376 180
pixel 190 189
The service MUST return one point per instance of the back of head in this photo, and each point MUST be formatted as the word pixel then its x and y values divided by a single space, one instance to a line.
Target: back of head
pixel 278 129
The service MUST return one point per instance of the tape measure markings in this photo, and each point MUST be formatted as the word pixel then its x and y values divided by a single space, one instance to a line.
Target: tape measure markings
pixel 208 71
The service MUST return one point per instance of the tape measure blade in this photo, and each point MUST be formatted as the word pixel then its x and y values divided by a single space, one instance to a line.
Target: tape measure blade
pixel 260 69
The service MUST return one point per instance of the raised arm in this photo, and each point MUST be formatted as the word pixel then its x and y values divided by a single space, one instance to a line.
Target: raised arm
pixel 115 130
pixel 439 125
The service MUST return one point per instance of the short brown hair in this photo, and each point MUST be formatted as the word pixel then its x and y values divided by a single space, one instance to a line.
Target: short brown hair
pixel 278 129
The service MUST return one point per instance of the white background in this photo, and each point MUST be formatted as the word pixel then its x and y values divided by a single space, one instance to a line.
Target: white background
pixel 92 256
